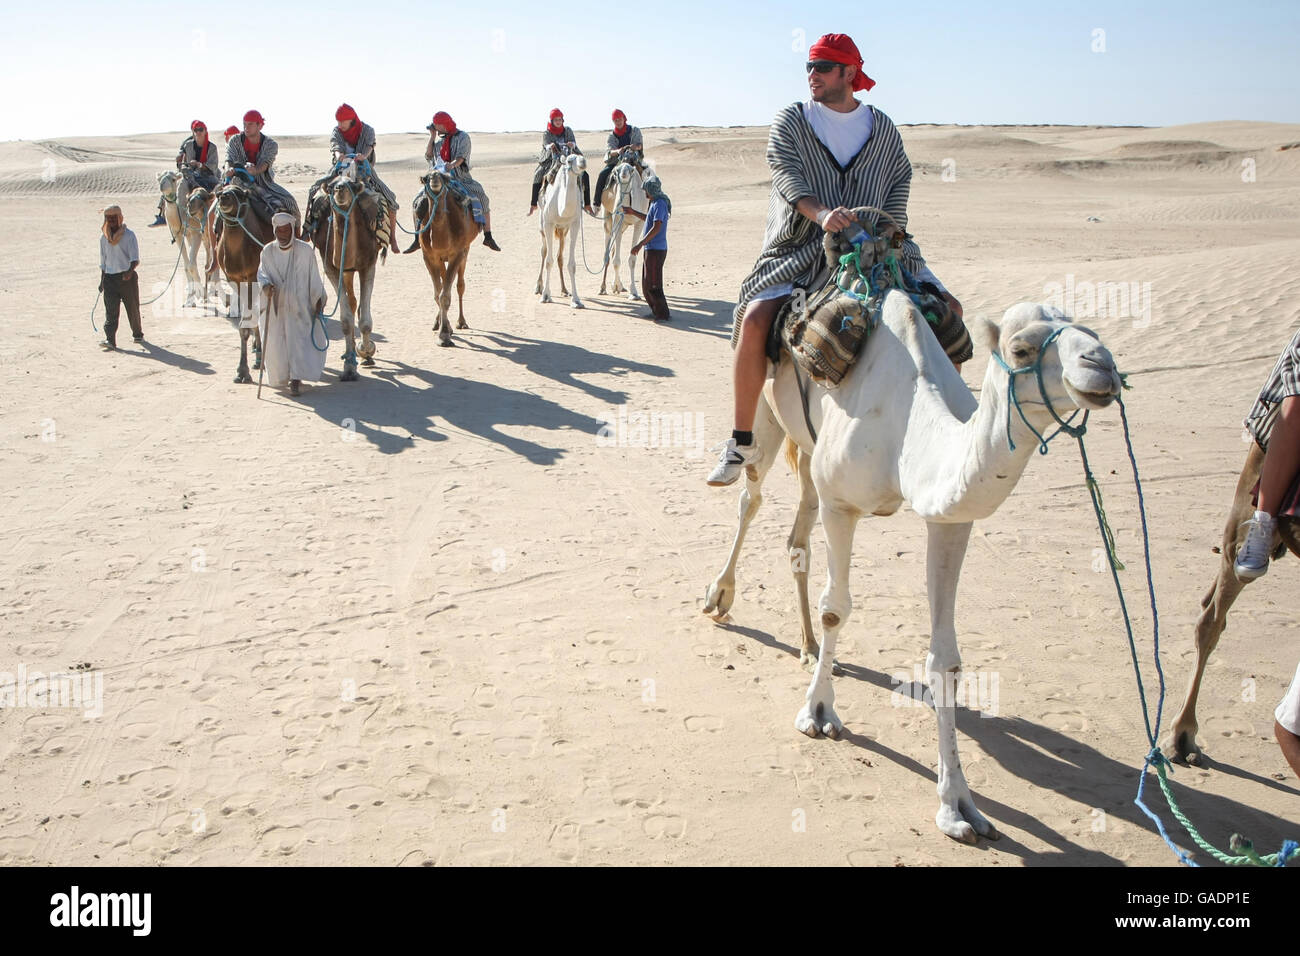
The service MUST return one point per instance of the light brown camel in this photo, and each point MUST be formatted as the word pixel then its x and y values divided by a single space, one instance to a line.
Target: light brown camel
pixel 1219 599
pixel 445 236
pixel 199 207
pixel 243 233
pixel 354 213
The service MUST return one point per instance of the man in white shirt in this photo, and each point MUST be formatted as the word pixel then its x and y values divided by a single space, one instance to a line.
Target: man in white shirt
pixel 827 156
pixel 119 254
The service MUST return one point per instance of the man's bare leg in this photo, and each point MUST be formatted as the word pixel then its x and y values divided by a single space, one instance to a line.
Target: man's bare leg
pixel 1280 466
pixel 749 371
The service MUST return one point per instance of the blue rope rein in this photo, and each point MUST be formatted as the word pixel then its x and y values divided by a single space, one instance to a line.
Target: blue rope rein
pixel 1155 758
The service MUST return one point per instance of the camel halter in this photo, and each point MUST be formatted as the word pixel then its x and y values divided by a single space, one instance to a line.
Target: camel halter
pixel 1074 431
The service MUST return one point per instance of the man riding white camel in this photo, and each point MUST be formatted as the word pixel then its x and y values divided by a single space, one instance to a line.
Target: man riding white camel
pixel 453 151
pixel 623 137
pixel 828 155
pixel 200 164
pixel 354 140
pixel 556 138
pixel 255 154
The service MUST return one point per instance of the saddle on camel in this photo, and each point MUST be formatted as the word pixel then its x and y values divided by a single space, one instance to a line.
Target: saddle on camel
pixel 824 328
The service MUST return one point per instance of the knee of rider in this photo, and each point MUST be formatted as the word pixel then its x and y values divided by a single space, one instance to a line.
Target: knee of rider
pixel 759 316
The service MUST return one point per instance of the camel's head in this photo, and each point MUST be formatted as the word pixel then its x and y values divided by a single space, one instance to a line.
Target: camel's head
pixel 197 202
pixel 344 191
pixel 623 174
pixel 230 196
pixel 1076 368
pixel 435 181
pixel 167 183
pixel 576 163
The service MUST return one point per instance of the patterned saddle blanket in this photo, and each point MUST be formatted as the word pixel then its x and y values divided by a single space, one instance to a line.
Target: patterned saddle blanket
pixel 824 330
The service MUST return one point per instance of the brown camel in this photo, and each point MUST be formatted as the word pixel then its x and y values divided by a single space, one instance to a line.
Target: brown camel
pixel 444 238
pixel 356 210
pixel 1223 592
pixel 242 232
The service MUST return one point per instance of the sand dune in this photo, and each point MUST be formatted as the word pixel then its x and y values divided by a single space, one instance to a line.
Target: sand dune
pixel 429 618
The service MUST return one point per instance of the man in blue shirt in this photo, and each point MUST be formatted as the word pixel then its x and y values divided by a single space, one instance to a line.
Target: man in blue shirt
pixel 654 240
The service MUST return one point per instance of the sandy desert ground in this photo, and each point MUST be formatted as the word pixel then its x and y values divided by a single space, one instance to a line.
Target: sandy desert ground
pixel 429 618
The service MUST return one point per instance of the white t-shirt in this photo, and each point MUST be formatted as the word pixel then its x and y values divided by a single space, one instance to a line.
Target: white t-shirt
pixel 1288 712
pixel 843 133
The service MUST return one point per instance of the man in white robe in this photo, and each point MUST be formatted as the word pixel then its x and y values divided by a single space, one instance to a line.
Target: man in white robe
pixel 292 295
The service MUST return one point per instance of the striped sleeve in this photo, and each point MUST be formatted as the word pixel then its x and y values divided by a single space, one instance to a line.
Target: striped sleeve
pixel 338 145
pixel 268 152
pixel 788 178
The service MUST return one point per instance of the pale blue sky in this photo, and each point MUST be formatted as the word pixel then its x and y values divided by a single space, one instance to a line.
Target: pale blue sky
pixel 76 67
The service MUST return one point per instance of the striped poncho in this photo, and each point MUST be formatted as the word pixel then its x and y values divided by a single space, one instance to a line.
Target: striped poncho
pixel 265 182
pixel 880 175
pixel 1283 383
pixel 341 149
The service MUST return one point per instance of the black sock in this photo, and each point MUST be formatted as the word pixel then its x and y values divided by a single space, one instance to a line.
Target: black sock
pixel 743 438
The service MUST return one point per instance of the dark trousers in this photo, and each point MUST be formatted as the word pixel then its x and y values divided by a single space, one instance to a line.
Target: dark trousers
pixel 120 291
pixel 652 282
pixel 601 180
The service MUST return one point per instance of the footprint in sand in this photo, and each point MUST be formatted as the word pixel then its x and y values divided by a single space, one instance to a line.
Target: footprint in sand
pixel 704 722
pixel 660 825
pixel 564 842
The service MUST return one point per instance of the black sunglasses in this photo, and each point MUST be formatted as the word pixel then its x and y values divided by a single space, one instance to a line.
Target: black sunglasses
pixel 821 66
pixel 200 129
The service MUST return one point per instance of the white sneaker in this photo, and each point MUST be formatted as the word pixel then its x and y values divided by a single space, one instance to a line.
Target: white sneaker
pixel 732 461
pixel 1253 556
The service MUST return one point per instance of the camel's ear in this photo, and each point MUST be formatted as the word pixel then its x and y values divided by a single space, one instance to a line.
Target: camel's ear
pixel 986 332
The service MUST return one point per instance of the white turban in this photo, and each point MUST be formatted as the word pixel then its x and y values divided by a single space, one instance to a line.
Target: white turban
pixel 282 219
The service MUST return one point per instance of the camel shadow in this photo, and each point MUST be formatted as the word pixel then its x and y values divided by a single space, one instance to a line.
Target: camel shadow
pixel 705 316
pixel 562 363
pixel 1047 758
pixel 168 357
pixel 393 406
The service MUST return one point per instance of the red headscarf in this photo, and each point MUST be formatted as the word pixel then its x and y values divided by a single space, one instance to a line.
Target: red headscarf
pixel 840 48
pixel 618 115
pixel 231 131
pixel 551 125
pixel 196 124
pixel 444 120
pixel 207 142
pixel 353 132
pixel 253 116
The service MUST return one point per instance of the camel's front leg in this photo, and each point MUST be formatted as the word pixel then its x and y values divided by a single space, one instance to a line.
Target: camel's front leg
pixel 957 816
pixel 364 320
pixel 1215 606
pixel 767 431
pixel 574 301
pixel 609 232
pixel 818 715
pixel 544 277
pixel 442 292
pixel 190 249
pixel 343 305
pixel 797 547
pixel 460 288
pixel 242 376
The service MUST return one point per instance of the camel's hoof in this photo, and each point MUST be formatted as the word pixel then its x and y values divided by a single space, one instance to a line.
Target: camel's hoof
pixel 964 823
pixel 462 324
pixel 633 297
pixel 822 723
pixel 446 344
pixel 349 374
pixel 576 304
pixel 602 291
pixel 1182 748
pixel 808 661
pixel 368 362
pixel 718 598
pixel 546 298
pixel 243 378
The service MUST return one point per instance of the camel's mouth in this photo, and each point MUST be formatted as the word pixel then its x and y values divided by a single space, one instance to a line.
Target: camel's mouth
pixel 1097 390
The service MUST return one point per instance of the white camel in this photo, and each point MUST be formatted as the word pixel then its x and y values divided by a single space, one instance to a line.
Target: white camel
pixel 186 229
pixel 903 427
pixel 624 188
pixel 561 203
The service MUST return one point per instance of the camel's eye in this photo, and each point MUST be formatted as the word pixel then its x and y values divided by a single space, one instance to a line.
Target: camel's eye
pixel 1021 351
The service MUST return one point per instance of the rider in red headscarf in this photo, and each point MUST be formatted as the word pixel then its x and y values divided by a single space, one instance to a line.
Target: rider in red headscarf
pixel 453 152
pixel 557 137
pixel 199 164
pixel 352 140
pixel 624 137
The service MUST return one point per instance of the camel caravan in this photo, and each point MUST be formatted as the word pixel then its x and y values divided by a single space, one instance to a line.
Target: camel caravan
pixel 848 351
